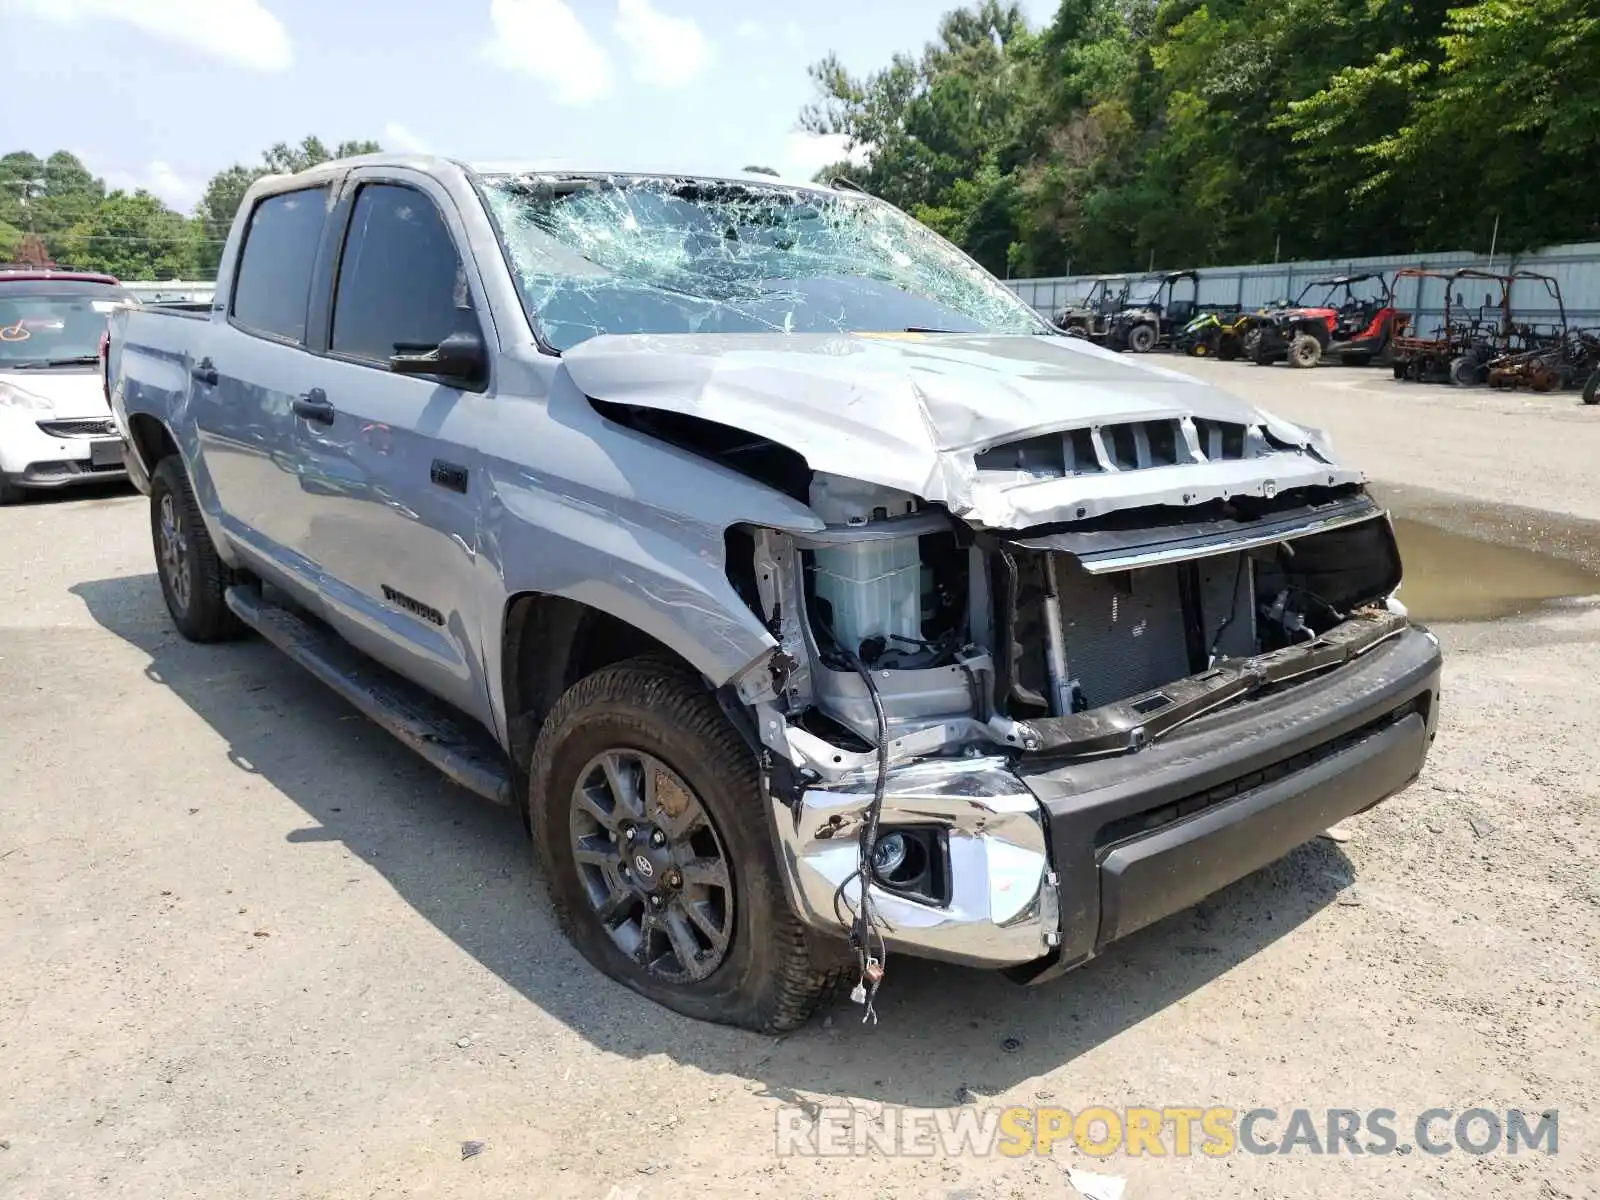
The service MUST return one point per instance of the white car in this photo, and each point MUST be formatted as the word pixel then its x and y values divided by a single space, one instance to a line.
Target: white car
pixel 56 427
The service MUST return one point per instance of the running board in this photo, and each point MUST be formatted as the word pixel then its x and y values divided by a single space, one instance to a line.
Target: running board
pixel 446 738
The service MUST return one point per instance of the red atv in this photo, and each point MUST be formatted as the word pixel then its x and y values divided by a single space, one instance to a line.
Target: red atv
pixel 1349 318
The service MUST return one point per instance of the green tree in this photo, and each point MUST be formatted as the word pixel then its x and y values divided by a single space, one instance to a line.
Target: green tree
pixel 10 239
pixel 22 182
pixel 1199 131
pixel 135 236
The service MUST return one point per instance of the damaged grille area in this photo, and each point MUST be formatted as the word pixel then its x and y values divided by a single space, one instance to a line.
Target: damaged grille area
pixel 1127 446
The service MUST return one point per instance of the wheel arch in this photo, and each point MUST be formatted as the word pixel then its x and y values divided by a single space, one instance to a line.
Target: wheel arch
pixel 150 441
pixel 549 643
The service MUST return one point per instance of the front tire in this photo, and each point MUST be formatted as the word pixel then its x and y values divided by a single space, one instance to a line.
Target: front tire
pixel 1465 372
pixel 637 762
pixel 1305 351
pixel 1142 339
pixel 193 578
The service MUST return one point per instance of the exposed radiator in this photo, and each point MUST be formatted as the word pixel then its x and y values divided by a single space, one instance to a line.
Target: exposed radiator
pixel 1124 633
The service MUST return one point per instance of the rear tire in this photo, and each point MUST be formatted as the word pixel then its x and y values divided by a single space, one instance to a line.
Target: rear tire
pixel 193 578
pixel 1304 351
pixel 1591 390
pixel 1228 347
pixel 658 720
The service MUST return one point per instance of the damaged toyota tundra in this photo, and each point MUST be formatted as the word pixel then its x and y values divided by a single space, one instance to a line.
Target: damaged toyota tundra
pixel 812 598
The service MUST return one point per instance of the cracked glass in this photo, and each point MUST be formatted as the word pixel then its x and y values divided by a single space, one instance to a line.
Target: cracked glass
pixel 660 255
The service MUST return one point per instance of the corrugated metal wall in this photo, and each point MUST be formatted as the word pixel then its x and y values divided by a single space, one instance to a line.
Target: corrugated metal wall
pixel 1575 267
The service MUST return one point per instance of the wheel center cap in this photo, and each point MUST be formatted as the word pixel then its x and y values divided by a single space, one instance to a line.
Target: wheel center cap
pixel 643 865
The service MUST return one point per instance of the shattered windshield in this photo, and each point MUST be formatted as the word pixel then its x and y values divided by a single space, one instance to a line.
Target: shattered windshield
pixel 1142 295
pixel 633 254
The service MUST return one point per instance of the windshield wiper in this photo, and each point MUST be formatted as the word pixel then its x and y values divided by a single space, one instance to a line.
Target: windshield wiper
pixel 36 364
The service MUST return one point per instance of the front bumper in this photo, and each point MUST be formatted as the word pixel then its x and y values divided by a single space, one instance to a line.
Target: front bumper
pixel 64 472
pixel 1052 861
pixel 55 451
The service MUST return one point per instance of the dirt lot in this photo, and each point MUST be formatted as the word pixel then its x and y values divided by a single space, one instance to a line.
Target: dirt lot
pixel 250 948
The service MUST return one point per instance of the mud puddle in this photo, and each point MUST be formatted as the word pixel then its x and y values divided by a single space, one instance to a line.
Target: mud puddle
pixel 1453 577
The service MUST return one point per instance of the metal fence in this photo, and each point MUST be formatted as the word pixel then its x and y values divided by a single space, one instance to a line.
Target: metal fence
pixel 1576 268
pixel 152 291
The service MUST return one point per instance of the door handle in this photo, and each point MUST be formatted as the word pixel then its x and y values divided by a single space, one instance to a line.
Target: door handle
pixel 314 406
pixel 204 372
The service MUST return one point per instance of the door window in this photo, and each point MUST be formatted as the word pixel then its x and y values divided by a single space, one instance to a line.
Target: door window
pixel 401 288
pixel 272 288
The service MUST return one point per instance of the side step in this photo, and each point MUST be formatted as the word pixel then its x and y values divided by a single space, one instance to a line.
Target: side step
pixel 446 738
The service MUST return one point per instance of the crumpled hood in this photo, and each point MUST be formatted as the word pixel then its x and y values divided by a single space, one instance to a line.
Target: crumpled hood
pixel 73 391
pixel 910 411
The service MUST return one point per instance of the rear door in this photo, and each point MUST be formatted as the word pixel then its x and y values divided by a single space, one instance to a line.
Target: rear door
pixel 394 527
pixel 245 388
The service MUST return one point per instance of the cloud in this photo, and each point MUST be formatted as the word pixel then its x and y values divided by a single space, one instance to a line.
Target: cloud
pixel 804 154
pixel 242 32
pixel 545 39
pixel 750 29
pixel 666 51
pixel 178 192
pixel 397 137
pixel 793 33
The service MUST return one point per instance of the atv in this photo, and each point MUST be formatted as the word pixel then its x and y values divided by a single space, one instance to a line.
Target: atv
pixel 1153 313
pixel 1464 342
pixel 1214 335
pixel 1470 348
pixel 1349 318
pixel 1089 316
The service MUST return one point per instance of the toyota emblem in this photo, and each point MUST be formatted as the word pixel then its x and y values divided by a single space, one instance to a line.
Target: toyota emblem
pixel 642 865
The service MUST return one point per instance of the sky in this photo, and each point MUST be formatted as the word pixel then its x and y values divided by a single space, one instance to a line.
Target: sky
pixel 162 94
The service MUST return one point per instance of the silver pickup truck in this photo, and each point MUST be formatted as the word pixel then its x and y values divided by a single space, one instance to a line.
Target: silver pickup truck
pixel 811 597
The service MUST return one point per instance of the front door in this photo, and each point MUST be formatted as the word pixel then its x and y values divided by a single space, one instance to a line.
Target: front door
pixel 395 526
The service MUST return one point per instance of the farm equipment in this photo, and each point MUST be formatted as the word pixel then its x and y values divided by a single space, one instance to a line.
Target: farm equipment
pixel 1348 318
pixel 1089 316
pixel 1214 335
pixel 1153 312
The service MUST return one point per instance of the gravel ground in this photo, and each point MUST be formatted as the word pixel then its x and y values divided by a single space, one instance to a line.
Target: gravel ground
pixel 250 948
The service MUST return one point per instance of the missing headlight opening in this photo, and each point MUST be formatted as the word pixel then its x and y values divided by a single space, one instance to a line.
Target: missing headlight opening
pixel 908 638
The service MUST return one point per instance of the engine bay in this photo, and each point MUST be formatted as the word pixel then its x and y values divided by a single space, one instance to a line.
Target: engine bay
pixel 905 628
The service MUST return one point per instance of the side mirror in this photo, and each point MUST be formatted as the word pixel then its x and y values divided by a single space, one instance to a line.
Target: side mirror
pixel 1460 300
pixel 460 356
pixel 1488 299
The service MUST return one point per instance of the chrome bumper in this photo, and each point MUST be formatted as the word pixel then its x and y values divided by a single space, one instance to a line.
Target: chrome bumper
pixel 1003 907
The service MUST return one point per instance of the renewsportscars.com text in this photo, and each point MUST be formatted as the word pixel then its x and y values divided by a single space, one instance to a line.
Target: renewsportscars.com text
pixel 1176 1130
